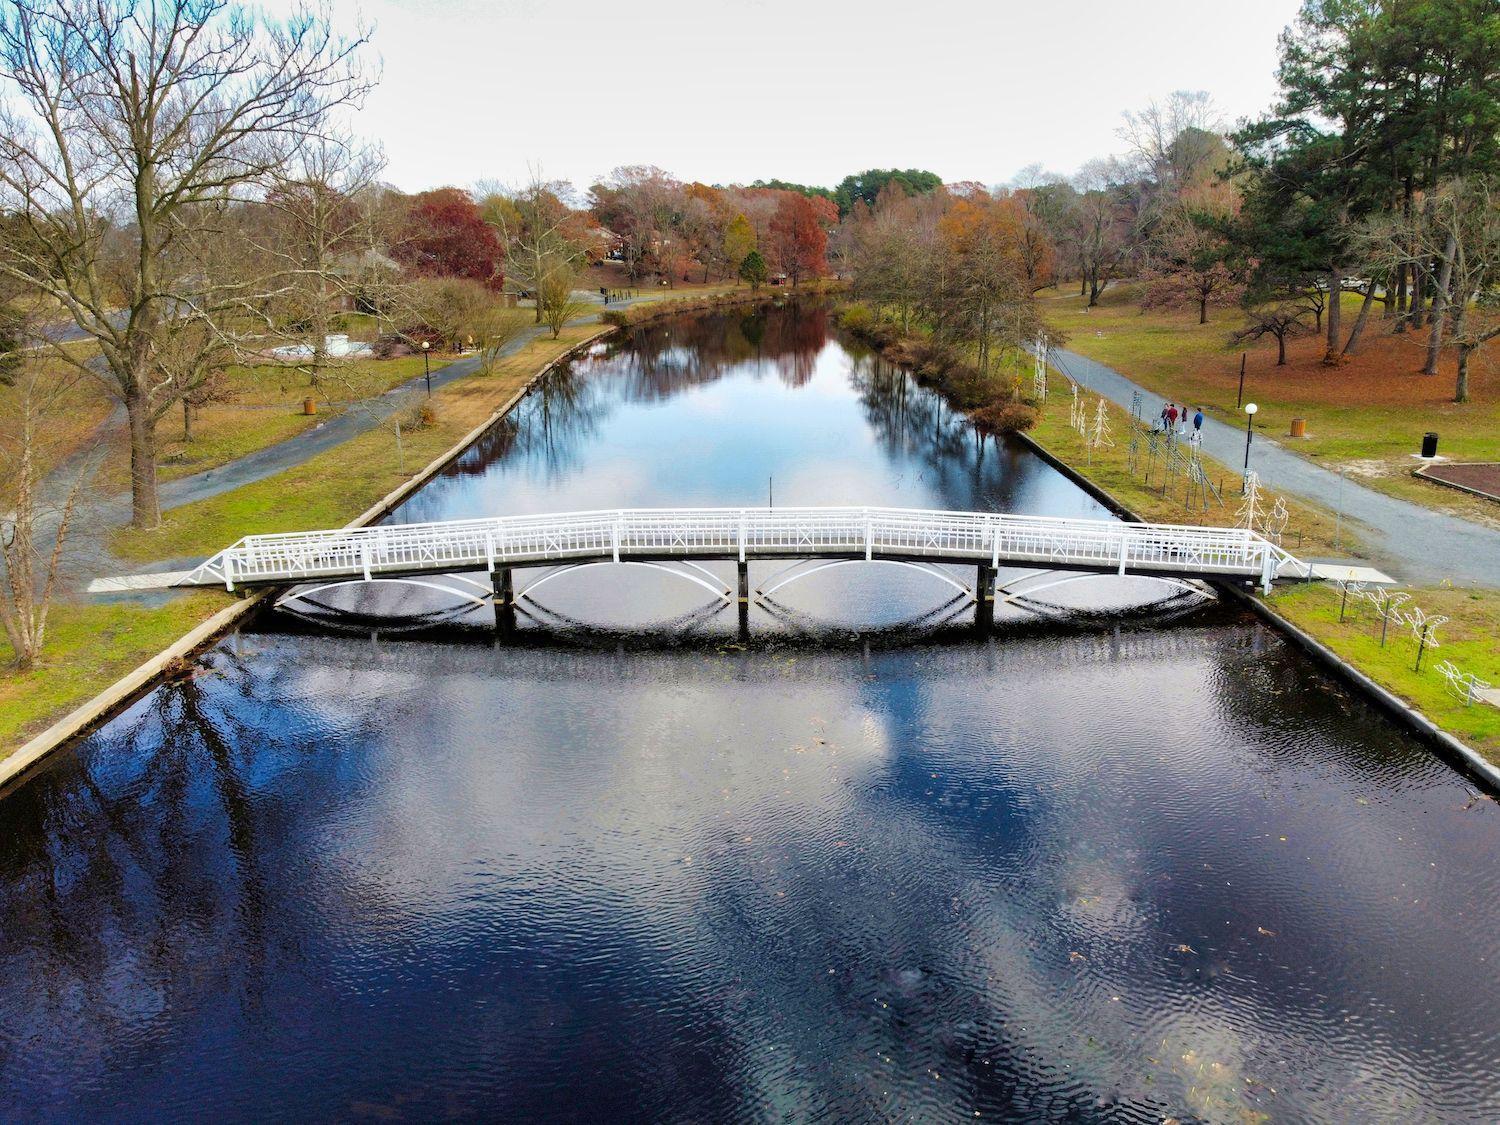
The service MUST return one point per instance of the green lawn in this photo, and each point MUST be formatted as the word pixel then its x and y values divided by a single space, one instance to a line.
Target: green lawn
pixel 1310 527
pixel 89 646
pixel 332 488
pixel 1367 416
pixel 1467 639
pixel 266 408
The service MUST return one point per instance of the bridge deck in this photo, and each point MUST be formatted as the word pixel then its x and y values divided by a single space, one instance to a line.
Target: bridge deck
pixel 743 534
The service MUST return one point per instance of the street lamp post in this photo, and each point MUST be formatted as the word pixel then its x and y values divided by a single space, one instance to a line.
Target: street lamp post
pixel 1250 409
pixel 427 366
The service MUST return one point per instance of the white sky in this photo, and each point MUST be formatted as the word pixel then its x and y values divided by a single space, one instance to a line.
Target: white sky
pixel 731 90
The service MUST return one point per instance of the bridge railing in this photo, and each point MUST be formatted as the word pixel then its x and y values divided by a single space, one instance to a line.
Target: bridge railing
pixel 742 533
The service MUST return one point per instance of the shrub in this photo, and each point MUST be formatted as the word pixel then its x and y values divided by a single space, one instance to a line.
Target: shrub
pixel 1003 417
pixel 856 317
pixel 419 417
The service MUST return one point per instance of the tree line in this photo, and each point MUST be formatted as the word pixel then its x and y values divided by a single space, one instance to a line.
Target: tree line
pixel 178 178
pixel 1377 170
pixel 179 182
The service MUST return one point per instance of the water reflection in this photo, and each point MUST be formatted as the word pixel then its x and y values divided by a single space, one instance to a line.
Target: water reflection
pixel 1100 873
pixel 742 409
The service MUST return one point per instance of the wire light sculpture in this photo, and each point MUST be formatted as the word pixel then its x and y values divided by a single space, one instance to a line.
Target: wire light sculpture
pixel 1424 631
pixel 1387 605
pixel 1098 435
pixel 1275 523
pixel 1245 517
pixel 1465 685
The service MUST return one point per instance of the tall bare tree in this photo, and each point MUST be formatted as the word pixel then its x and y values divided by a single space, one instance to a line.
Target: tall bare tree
pixel 541 233
pixel 318 231
pixel 128 129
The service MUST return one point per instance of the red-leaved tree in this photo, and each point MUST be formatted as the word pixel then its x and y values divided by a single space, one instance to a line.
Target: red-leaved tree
pixel 445 235
pixel 799 242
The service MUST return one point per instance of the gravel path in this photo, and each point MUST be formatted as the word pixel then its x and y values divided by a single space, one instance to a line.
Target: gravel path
pixel 1408 541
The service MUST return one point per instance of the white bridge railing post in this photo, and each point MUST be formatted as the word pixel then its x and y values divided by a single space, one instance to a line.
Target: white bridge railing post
pixel 932 537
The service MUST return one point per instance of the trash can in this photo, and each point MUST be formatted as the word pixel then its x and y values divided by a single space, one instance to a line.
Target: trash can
pixel 309 406
pixel 1429 444
pixel 1299 427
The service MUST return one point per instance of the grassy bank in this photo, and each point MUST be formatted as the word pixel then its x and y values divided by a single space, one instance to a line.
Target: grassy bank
pixel 709 299
pixel 1310 529
pixel 1366 416
pixel 91 644
pixel 1467 639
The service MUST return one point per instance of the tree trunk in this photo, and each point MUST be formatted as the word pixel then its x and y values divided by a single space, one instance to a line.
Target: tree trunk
pixel 144 509
pixel 1465 349
pixel 1083 285
pixel 1418 292
pixel 1359 323
pixel 1401 296
pixel 187 422
pixel 1281 349
pixel 1440 306
pixel 1202 310
pixel 1335 303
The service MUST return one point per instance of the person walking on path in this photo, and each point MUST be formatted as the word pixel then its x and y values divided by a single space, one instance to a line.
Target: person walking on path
pixel 1198 425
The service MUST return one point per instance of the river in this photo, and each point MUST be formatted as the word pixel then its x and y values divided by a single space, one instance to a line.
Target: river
pixel 865 864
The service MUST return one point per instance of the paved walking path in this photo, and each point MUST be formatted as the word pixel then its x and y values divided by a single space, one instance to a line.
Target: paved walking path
pixel 1411 542
pixel 88 552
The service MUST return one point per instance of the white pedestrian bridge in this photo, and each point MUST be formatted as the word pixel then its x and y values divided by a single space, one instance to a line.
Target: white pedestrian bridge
pixel 1048 550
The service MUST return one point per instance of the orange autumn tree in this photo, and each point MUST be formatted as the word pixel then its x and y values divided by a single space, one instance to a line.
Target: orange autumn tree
pixel 983 293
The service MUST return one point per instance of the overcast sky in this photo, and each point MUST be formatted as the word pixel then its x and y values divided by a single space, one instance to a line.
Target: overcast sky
pixel 733 90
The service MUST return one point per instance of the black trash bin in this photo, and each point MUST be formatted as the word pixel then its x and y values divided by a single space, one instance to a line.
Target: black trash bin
pixel 1429 444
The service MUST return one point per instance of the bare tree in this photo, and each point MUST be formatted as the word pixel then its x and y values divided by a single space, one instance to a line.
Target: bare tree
pixel 1176 142
pixel 318 232
pixel 540 231
pixel 1100 230
pixel 1281 318
pixel 128 130
pixel 33 534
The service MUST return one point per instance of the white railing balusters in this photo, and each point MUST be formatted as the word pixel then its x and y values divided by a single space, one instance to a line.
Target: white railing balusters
pixel 745 533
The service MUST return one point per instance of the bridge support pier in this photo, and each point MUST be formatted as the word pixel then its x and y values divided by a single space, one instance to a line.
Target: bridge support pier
pixel 505 601
pixel 743 601
pixel 984 598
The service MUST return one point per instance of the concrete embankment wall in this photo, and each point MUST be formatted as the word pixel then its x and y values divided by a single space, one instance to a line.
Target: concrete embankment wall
pixel 19 765
pixel 1455 751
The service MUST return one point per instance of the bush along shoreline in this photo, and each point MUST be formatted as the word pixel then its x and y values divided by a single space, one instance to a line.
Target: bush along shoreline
pixel 991 405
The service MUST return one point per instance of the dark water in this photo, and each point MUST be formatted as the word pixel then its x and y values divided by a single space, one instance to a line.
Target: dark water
pixel 1092 872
